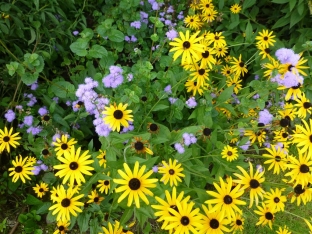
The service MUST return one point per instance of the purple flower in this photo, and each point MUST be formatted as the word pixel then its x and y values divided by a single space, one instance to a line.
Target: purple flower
pixel 136 24
pixel 129 77
pixel 245 146
pixel 34 86
pixel 168 89
pixel 168 22
pixel 155 6
pixel 19 107
pixel 56 99
pixel 259 168
pixel 179 148
pixel 75 33
pixel 43 111
pixel 10 115
pixel 170 9
pixel 256 96
pixel 114 79
pixel 284 55
pixel 191 102
pixel 256 77
pixel 172 100
pixel 180 16
pixel 133 38
pixel 143 15
pixel 68 103
pixel 32 99
pixel 44 167
pixel 28 120
pixel 155 169
pixel 171 34
pixel 36 170
pixel 127 39
pixel 265 117
pixel 56 136
pixel 34 130
pixel 102 129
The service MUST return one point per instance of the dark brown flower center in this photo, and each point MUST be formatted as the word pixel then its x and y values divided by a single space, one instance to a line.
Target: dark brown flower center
pixel 138 145
pixel 192 20
pixel 307 105
pixel 269 216
pixel 265 38
pixel 304 168
pixel 45 152
pixel 96 199
pixel 229 153
pixel 207 5
pixel 241 64
pixel 310 138
pixel 227 199
pixel 106 182
pixel 61 228
pixel 171 172
pixel 201 71
pixel 118 114
pixel 267 50
pixel 41 190
pixel 144 99
pixel 205 54
pixel 153 127
pixel 134 184
pixel 298 189
pixel 239 222
pixel 65 202
pixel 297 86
pixel 284 122
pixel 185 220
pixel 290 67
pixel 254 183
pixel 284 135
pixel 217 38
pixel 277 158
pixel 73 166
pixel 214 224
pixel 276 200
pixel 46 118
pixel 186 45
pixel 6 139
pixel 64 146
pixel 207 131
pixel 18 169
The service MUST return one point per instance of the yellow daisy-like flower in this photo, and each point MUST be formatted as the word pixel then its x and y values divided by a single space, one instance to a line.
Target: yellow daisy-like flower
pixel 239 67
pixel 229 153
pixel 213 222
pixel 187 46
pixel 265 52
pixel 113 229
pixel 236 82
pixel 300 169
pixel 63 146
pixel 21 169
pixel 304 106
pixel 171 202
pixel 62 227
pixel 273 68
pixel 206 6
pixel 41 189
pixel 102 158
pixel 237 224
pixel 293 92
pixel 54 193
pixel 265 39
pixel 117 115
pixel 221 50
pixel 8 139
pixel 200 76
pixel 226 199
pixel 226 71
pixel 304 138
pixel 288 112
pixel 31 160
pixel 74 166
pixel 275 200
pixel 171 172
pixel 141 146
pixel 67 204
pixel 301 194
pixel 256 136
pixel 94 197
pixel 277 159
pixel 217 39
pixel 283 230
pixel 236 8
pixel 193 22
pixel 251 181
pixel 135 184
pixel 193 86
pixel 185 219
pixel 207 59
pixel 153 128
pixel 266 215
pixel 209 17
pixel 104 185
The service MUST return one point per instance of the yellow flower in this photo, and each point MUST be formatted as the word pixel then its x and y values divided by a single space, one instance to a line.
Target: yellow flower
pixel 239 67
pixel 94 197
pixel 21 169
pixel 7 139
pixel 62 227
pixel 235 9
pixel 193 22
pixel 266 215
pixel 229 153
pixel 41 189
pixel 265 39
pixel 62 146
pixel 140 146
pixel 171 172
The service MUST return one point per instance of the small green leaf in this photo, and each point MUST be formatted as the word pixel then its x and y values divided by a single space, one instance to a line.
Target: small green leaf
pixel 83 221
pixel 225 94
pixel 160 106
pixel 248 3
pixel 31 200
pixel 59 119
pixel 87 33
pixel 79 47
pixel 281 22
pixel 248 32
pixel 29 78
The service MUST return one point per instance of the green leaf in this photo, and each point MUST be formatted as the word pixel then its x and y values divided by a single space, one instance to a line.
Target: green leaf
pixel 248 3
pixel 12 67
pixel 116 35
pixel 31 200
pixel 221 4
pixel 160 106
pixel 295 18
pixel 108 23
pixel 32 36
pixel 4 28
pixel 127 214
pixel 59 119
pixel 281 22
pixel 292 4
pixel 225 94
pixel 36 2
pixel 248 32
pixel 79 47
pixel 29 78
pixel 44 209
pixel 83 221
pixel 97 51
pixel 300 8
pixel 62 89
pixel 280 1
pixel 49 178
pixel 261 103
pixel 87 34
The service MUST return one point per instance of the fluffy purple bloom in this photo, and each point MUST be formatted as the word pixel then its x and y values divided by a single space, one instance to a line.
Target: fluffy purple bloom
pixel 10 115
pixel 43 111
pixel 256 77
pixel 19 107
pixel 56 99
pixel 284 55
pixel 34 130
pixel 143 15
pixel 168 22
pixel 171 34
pixel 256 96
pixel 259 168
pixel 155 169
pixel 155 6
pixel 102 129
pixel 170 9
pixel 189 138
pixel 179 148
pixel 167 89
pixel 44 167
pixel 191 102
pixel 172 100
pixel 245 146
pixel 127 39
pixel 114 79
pixel 68 103
pixel 265 117
pixel 28 120
pixel 39 162
pixel 180 16
pixel 36 170
pixel 34 86
pixel 75 33
pixel 133 38
pixel 32 99
pixel 136 24
pixel 56 136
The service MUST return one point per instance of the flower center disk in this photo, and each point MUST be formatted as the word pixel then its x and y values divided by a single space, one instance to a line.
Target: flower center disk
pixel 134 184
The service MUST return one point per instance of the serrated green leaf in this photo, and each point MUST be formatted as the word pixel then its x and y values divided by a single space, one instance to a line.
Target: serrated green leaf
pixel 29 78
pixel 79 47
pixel 97 51
pixel 116 35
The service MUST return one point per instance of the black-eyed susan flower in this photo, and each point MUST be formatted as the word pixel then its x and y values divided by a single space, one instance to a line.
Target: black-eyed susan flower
pixel 275 199
pixel 8 139
pixel 226 71
pixel 201 76
pixel 206 133
pixel 304 138
pixel 304 106
pixel 256 136
pixel 153 128
pixel 265 53
pixel 206 58
pixel 170 202
pixel 251 181
pixel 115 116
pixel 102 158
pixel 273 68
pixel 216 38
pixel 239 67
pixel 226 199
pixel 300 169
pixel 267 215
pixel 62 227
pixel 283 230
pixel 193 22
pixel 185 220
pixel 74 166
pixel 221 51
pixel 236 8
pixel 237 224
pixel 213 222
pixel 41 189
pixel 135 184
pixel 54 193
pixel 172 172
pixel 194 87
pixel 94 197
pixel 104 185
pixel 66 204
pixel 265 38
pixel 187 46
pixel 31 160
pixel 141 146
pixel 276 158
pixel 113 229
pixel 206 6
pixel 63 146
pixel 234 80
pixel 21 169
pixel 293 92
pixel 229 153
pixel 209 17
pixel 301 194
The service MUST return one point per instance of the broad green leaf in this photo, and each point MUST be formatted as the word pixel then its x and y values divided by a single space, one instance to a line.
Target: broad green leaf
pixel 29 78
pixel 248 32
pixel 87 33
pixel 97 51
pixel 280 1
pixel 292 4
pixel 79 47
pixel 44 209
pixel 248 3
pixel 59 119
pixel 281 22
pixel 116 35
pixel 12 67
pixel 160 106
pixel 83 221
pixel 225 94
pixel 31 200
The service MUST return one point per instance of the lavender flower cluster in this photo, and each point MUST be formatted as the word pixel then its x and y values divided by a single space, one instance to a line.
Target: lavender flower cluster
pixel 114 79
pixel 188 139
